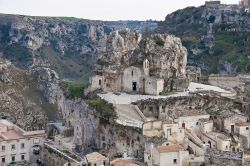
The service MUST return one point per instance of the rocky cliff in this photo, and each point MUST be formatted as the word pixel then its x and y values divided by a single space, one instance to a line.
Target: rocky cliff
pixel 66 45
pixel 21 101
pixel 127 47
pixel 217 37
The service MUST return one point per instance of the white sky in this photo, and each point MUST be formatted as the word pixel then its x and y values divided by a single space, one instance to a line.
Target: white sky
pixel 100 9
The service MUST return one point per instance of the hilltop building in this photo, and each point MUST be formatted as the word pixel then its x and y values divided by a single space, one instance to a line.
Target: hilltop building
pixel 212 3
pixel 245 3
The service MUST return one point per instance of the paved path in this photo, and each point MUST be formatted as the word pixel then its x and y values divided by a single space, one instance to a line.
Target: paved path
pixel 127 113
pixel 125 98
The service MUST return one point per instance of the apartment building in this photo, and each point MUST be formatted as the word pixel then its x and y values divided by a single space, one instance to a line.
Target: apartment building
pixel 19 146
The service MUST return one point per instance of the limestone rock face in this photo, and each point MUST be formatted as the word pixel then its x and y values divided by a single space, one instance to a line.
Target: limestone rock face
pixel 48 83
pixel 4 75
pixel 20 100
pixel 165 52
pixel 119 43
pixel 166 55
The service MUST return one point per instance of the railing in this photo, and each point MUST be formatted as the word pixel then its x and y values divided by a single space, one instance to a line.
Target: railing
pixel 194 138
pixel 139 112
pixel 197 149
pixel 47 145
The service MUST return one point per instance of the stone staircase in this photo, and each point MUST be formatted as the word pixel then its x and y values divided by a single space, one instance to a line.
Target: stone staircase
pixel 129 115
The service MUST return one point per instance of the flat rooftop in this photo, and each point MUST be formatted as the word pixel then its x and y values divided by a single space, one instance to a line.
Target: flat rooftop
pixel 244 124
pixel 196 87
pixel 11 135
pixel 9 131
pixel 95 156
pixel 215 135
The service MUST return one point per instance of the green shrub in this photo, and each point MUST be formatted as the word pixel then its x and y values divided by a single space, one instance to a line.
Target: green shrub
pixel 74 89
pixel 105 109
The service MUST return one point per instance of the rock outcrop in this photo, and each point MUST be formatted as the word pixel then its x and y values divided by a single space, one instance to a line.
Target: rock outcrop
pixel 127 47
pixel 214 36
pixel 20 99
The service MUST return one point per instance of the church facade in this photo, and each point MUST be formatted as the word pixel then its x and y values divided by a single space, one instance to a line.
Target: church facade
pixel 131 79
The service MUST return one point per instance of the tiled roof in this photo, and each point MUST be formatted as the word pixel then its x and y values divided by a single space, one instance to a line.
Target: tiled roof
pixel 169 148
pixel 95 156
pixel 244 124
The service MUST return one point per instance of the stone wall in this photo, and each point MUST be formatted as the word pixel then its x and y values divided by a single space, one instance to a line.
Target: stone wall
pixel 224 81
pixel 153 86
pixel 96 82
pixel 154 128
pixel 132 79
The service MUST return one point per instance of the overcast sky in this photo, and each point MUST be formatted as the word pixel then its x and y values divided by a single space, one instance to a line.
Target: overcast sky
pixel 100 9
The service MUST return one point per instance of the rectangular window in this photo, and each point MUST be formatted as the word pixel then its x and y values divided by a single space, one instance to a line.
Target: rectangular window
pixel 3 148
pixel 13 147
pixel 22 157
pixel 13 158
pixel 22 145
pixel 3 160
pixel 175 161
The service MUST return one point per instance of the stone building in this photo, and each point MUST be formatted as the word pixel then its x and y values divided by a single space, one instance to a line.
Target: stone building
pixel 205 125
pixel 17 145
pixel 190 121
pixel 193 74
pixel 166 155
pixel 131 79
pixel 145 65
pixel 243 132
pixel 212 3
pixel 217 141
pixel 227 121
pixel 169 130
